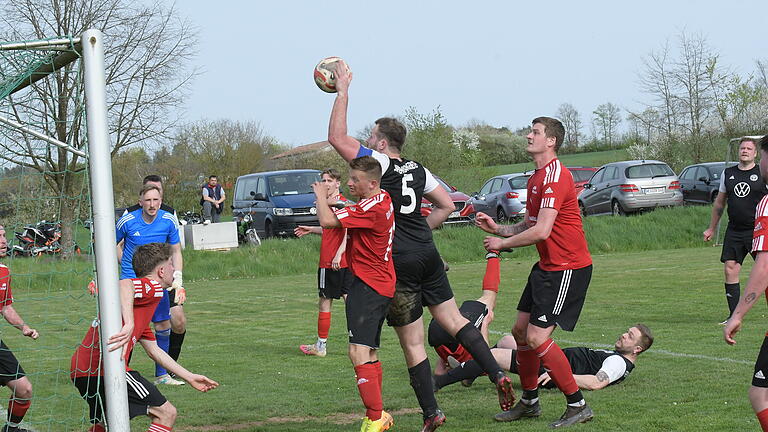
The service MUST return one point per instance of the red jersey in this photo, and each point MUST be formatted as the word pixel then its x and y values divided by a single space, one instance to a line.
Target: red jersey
pixel 6 297
pixel 330 243
pixel 371 225
pixel 566 247
pixel 87 358
pixel 759 243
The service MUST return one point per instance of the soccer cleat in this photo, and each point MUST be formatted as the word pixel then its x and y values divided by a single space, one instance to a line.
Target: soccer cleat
pixel 166 379
pixel 505 391
pixel 573 415
pixel 366 423
pixel 519 411
pixel 385 422
pixel 724 322
pixel 312 350
pixel 433 422
pixel 9 428
pixel 453 362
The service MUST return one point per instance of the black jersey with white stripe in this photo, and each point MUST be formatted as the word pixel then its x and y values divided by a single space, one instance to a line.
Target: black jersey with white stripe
pixel 744 188
pixel 406 181
pixel 587 361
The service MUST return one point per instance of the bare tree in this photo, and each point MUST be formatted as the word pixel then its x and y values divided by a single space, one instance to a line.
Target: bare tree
pixel 606 119
pixel 644 124
pixel 147 50
pixel 571 119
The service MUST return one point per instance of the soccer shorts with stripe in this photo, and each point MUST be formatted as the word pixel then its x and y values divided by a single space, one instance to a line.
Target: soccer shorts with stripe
pixel 555 297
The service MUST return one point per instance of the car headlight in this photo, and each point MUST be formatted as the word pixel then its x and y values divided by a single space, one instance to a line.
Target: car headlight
pixel 278 211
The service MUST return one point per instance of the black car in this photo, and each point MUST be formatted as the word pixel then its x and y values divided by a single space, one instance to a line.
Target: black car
pixel 700 182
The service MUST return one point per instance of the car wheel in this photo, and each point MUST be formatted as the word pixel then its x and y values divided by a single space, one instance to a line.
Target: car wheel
pixel 582 210
pixel 616 209
pixel 268 230
pixel 501 215
pixel 252 238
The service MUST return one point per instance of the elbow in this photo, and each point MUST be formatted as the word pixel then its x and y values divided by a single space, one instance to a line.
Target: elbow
pixel 335 138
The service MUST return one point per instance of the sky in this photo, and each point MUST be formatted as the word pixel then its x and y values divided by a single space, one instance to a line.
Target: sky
pixel 499 62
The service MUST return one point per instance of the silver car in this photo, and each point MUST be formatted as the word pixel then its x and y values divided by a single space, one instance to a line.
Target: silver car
pixel 630 186
pixel 503 197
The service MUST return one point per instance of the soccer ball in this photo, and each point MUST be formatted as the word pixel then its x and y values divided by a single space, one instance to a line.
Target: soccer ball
pixel 325 74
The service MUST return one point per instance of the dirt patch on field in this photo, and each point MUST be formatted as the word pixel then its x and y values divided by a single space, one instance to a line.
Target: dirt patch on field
pixel 338 418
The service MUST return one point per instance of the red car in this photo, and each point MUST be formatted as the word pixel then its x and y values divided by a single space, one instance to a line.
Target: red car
pixel 581 176
pixel 464 212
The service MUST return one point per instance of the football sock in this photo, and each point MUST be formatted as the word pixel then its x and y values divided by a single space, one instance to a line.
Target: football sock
pixel 156 427
pixel 732 293
pixel 379 375
pixel 323 324
pixel 370 392
pixel 556 364
pixel 762 417
pixel 492 274
pixel 467 370
pixel 528 367
pixel 163 341
pixel 175 343
pixel 16 410
pixel 421 381
pixel 98 427
pixel 530 397
pixel 471 339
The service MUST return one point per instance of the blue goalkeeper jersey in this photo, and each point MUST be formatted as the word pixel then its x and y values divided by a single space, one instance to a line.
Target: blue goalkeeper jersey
pixel 132 228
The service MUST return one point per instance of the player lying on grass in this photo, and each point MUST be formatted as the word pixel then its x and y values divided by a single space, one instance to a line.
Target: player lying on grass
pixel 593 369
pixel 139 297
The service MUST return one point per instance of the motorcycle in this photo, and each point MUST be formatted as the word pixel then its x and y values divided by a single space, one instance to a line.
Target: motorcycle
pixel 191 218
pixel 38 239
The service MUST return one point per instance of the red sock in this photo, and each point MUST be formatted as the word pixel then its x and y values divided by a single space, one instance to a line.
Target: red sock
pixel 18 408
pixel 370 393
pixel 554 361
pixel 98 427
pixel 379 375
pixel 156 427
pixel 491 278
pixel 323 324
pixel 762 417
pixel 527 367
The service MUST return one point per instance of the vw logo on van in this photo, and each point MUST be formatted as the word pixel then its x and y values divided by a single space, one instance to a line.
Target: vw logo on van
pixel 313 211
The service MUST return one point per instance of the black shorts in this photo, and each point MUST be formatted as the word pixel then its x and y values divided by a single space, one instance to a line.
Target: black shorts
pixel 10 369
pixel 332 284
pixel 421 281
pixel 365 309
pixel 555 297
pixel 760 374
pixel 142 394
pixel 736 245
pixel 472 310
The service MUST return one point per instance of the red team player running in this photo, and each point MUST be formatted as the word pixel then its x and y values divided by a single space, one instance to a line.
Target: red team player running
pixel 557 284
pixel 756 285
pixel 371 225
pixel 11 373
pixel 139 297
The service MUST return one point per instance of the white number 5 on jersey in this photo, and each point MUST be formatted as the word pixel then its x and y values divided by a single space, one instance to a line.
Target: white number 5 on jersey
pixel 408 192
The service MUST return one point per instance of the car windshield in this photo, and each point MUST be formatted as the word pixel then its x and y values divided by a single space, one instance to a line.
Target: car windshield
pixel 717 170
pixel 519 182
pixel 581 175
pixel 445 185
pixel 292 184
pixel 649 170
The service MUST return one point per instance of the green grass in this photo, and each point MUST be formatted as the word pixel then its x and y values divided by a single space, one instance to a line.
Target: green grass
pixel 471 180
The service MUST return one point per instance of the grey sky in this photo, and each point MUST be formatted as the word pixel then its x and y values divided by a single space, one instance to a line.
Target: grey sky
pixel 501 62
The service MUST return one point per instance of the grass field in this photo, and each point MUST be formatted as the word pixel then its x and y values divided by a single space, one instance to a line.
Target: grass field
pixel 245 333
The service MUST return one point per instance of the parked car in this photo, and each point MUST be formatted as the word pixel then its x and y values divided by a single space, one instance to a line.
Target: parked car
pixel 503 197
pixel 700 182
pixel 630 186
pixel 464 212
pixel 581 176
pixel 273 203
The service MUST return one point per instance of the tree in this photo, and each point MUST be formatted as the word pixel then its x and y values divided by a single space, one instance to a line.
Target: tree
pixel 606 120
pixel 571 119
pixel 147 50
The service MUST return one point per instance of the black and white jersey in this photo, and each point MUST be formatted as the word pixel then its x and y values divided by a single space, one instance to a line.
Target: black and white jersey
pixel 587 361
pixel 744 190
pixel 406 182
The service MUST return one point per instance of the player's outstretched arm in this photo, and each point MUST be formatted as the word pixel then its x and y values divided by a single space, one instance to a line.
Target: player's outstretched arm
pixel 532 235
pixel 119 339
pixel 13 318
pixel 302 230
pixel 345 145
pixel 755 288
pixel 717 212
pixel 199 382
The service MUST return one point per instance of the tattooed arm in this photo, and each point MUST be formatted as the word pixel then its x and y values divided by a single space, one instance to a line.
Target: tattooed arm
pixel 526 236
pixel 758 281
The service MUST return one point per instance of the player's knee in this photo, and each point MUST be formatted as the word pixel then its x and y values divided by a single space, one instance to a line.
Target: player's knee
pixel 732 268
pixel 179 322
pixel 162 325
pixel 508 342
pixel 165 413
pixel 22 388
pixel 534 340
pixel 519 333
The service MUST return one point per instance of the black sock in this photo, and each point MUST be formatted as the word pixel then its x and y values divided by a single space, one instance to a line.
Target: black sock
pixel 574 398
pixel 421 381
pixel 174 348
pixel 471 339
pixel 513 362
pixel 530 395
pixel 467 370
pixel 732 293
